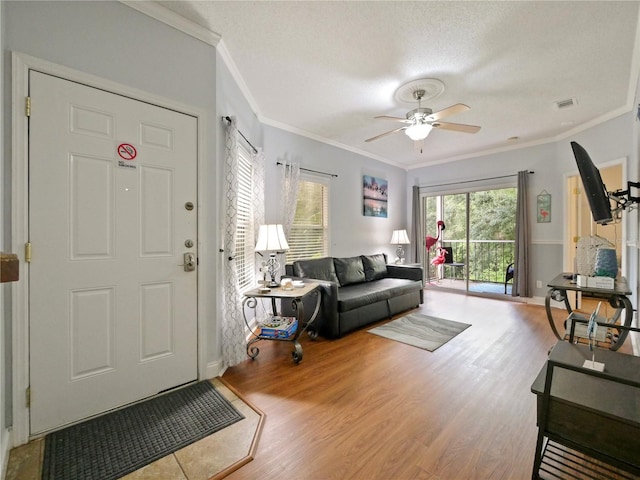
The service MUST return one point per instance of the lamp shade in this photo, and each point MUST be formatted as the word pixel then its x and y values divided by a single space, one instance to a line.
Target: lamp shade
pixel 418 131
pixel 271 239
pixel 399 237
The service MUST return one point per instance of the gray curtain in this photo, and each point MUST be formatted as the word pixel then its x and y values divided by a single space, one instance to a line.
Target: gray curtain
pixel 521 287
pixel 417 228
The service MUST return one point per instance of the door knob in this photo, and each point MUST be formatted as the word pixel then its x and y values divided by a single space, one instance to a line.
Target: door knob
pixel 189 262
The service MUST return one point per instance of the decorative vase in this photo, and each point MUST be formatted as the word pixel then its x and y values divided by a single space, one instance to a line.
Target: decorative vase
pixel 606 263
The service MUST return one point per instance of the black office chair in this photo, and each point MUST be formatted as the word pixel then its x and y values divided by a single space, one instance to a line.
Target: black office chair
pixel 508 275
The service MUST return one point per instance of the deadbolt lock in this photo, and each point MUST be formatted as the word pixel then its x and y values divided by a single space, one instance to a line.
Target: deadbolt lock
pixel 188 206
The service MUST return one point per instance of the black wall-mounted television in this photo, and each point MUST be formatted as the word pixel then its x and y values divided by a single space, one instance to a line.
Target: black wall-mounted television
pixel 593 186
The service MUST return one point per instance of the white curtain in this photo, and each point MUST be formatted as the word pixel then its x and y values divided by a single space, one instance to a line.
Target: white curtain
pixel 233 326
pixel 290 181
pixel 258 159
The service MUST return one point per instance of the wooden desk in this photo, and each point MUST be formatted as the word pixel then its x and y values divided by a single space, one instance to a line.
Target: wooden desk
pixel 596 413
pixel 618 298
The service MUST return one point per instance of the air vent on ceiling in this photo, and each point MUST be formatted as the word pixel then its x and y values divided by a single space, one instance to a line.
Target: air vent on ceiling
pixel 567 103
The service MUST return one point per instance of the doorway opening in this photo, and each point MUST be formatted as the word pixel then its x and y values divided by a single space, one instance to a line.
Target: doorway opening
pixel 580 223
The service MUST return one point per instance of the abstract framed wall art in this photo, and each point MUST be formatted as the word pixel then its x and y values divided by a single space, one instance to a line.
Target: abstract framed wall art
pixel 374 196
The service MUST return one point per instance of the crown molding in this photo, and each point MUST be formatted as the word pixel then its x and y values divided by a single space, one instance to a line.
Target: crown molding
pixel 327 141
pixel 164 15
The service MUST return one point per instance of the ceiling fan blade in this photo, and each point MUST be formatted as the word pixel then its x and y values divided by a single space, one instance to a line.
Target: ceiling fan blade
pixel 456 127
pixel 385 133
pixel 446 112
pixel 395 119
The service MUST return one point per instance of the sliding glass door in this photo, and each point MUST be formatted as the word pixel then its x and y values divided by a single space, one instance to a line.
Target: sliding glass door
pixel 478 240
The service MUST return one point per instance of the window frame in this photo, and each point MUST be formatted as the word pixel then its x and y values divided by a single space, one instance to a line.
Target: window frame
pixel 326 218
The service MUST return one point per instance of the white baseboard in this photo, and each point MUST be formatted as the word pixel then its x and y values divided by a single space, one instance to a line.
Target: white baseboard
pixel 535 300
pixel 5 448
pixel 214 369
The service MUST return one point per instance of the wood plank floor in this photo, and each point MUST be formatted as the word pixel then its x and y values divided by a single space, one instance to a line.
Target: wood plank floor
pixel 364 407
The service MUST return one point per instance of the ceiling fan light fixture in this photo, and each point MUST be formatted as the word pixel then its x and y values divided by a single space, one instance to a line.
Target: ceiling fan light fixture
pixel 418 131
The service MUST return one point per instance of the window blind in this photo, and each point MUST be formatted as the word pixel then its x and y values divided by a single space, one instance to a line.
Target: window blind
pixel 308 237
pixel 245 255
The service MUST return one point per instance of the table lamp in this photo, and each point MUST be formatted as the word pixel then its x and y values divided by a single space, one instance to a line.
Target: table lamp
pixel 271 240
pixel 399 238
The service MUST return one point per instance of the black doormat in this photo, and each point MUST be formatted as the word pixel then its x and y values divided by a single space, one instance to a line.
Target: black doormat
pixel 123 441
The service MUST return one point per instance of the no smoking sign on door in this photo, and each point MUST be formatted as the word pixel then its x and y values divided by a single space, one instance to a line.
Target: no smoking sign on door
pixel 127 153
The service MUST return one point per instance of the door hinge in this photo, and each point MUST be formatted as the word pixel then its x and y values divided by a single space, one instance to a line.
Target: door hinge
pixel 575 239
pixel 27 252
pixel 28 397
pixel 576 191
pixel 27 107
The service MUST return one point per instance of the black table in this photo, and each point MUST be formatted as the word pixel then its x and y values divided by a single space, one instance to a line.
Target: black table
pixel 295 296
pixel 595 413
pixel 617 298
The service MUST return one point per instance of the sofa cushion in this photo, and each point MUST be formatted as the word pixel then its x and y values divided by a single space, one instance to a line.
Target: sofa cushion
pixel 319 268
pixel 355 296
pixel 349 270
pixel 375 266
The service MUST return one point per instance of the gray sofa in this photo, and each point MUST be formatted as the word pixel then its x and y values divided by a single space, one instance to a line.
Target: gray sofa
pixel 357 291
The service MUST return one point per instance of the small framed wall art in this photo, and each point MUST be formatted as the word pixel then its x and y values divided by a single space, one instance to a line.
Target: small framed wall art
pixel 544 207
pixel 374 196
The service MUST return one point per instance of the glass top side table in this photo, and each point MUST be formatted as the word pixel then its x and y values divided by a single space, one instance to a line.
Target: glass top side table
pixel 618 298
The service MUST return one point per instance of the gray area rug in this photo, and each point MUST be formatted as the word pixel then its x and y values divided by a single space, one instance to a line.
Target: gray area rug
pixel 420 330
pixel 112 445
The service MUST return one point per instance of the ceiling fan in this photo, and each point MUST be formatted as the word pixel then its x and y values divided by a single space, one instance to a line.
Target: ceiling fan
pixel 421 120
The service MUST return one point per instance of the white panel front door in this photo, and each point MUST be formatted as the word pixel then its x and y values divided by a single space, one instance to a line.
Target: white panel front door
pixel 113 315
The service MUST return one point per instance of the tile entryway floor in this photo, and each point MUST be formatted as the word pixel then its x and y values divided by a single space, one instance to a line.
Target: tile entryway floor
pixel 210 457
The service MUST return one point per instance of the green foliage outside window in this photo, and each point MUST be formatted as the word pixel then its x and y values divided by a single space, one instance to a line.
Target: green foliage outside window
pixel 491 231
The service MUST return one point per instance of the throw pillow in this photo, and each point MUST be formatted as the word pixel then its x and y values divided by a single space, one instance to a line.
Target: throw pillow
pixel 375 266
pixel 349 270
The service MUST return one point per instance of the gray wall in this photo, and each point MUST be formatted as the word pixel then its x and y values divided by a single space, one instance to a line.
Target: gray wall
pixel 351 232
pixel 634 175
pixel 230 103
pixel 113 41
pixel 5 288
pixel 609 141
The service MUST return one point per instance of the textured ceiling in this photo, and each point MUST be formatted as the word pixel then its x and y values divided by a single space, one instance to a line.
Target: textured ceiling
pixel 325 69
